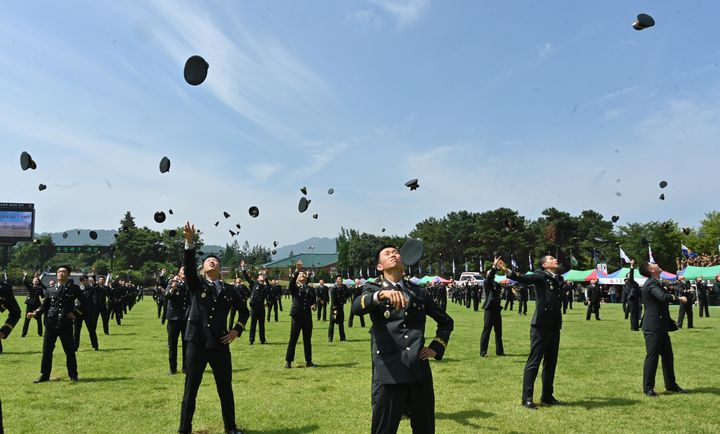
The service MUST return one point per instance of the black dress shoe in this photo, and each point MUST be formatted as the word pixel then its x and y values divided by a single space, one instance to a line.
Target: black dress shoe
pixel 529 405
pixel 676 389
pixel 97 349
pixel 263 342
pixel 232 431
pixel 551 401
pixel 74 379
pixel 251 342
pixel 483 355
pixel 651 393
pixel 172 372
pixel 500 355
pixel 41 379
pixel 310 365
pixel 288 365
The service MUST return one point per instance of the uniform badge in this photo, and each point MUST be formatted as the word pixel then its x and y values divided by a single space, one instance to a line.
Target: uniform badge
pixel 203 295
pixel 387 314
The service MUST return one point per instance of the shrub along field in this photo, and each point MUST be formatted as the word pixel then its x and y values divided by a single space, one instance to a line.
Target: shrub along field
pixel 125 387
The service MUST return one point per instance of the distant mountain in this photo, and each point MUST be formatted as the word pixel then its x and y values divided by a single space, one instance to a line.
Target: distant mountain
pixel 321 245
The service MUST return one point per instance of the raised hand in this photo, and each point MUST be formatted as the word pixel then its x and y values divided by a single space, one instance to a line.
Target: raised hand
pixel 189 232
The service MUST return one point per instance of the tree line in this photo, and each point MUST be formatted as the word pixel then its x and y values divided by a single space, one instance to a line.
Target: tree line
pixel 579 242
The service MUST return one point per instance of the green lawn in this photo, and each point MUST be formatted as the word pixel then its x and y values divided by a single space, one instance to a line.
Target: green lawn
pixel 124 388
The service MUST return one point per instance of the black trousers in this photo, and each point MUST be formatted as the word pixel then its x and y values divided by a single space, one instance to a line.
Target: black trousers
pixel 257 319
pixel 296 326
pixel 352 315
pixel 522 307
pixel 626 308
pixel 391 401
pixel 476 303
pixel 65 333
pixel 322 308
pixel 280 303
pixel 544 345
pixel 634 309
pixel 160 307
pixel 270 308
pixel 657 344
pixel 468 300
pixel 442 303
pixel 103 314
pixel 117 311
pixel 493 320
pixel 198 357
pixel 703 308
pixel 175 328
pixel 592 307
pixel 685 308
pixel 511 302
pixel 39 320
pixel 340 321
pixel 89 319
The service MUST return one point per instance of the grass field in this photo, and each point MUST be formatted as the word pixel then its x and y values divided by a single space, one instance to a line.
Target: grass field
pixel 125 388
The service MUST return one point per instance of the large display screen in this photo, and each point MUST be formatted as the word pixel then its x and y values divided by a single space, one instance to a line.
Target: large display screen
pixel 17 222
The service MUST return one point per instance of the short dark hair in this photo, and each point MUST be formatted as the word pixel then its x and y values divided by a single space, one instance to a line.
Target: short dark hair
pixel 67 267
pixel 645 269
pixel 542 261
pixel 383 247
pixel 84 277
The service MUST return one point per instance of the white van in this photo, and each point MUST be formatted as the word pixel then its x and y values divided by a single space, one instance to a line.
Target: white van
pixel 472 277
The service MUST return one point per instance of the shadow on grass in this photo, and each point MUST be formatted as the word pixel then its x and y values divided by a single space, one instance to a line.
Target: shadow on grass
pixel 22 352
pixel 338 365
pixel 463 417
pixel 596 402
pixel 111 350
pixel 297 430
pixel 711 390
pixel 103 379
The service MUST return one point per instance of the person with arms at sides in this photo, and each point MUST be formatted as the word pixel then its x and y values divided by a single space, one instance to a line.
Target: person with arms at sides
pixel 632 289
pixel 178 304
pixel 258 294
pixel 544 328
pixel 36 291
pixel 100 300
pixel 703 299
pixel 338 297
pixel 207 336
pixel 88 315
pixel 60 310
pixel 244 293
pixel 356 291
pixel 493 316
pixel 303 302
pixel 594 294
pixel 656 324
pixel 523 296
pixel 683 289
pixel 323 297
pixel 401 376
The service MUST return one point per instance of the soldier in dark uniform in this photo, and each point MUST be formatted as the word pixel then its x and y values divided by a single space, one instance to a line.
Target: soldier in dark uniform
pixel 594 294
pixel 509 298
pixel 476 297
pixel 258 295
pixel 703 300
pixel 656 324
pixel 159 294
pixel 88 314
pixel 100 300
pixel 682 289
pixel 523 296
pixel 323 297
pixel 338 298
pixel 544 328
pixel 441 297
pixel 356 291
pixel 116 300
pixel 493 318
pixel 270 301
pixel 468 294
pixel 178 302
pixel 9 303
pixel 244 293
pixel 304 300
pixel 626 290
pixel 401 375
pixel 632 289
pixel 36 291
pixel 568 295
pixel 278 291
pixel 60 310
pixel 207 336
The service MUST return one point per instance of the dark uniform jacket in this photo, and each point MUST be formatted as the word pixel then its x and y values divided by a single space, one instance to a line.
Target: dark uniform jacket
pixel 682 289
pixel 631 288
pixel 258 291
pixel 88 294
pixel 594 294
pixel 59 302
pixel 397 336
pixel 178 302
pixel 243 292
pixel 207 321
pixel 493 292
pixel 7 301
pixel 656 317
pixel 548 297
pixel 702 291
pixel 303 298
pixel 100 297
pixel 35 293
pixel 338 297
pixel 322 294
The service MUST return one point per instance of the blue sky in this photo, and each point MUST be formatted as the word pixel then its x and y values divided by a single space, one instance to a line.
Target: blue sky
pixel 488 103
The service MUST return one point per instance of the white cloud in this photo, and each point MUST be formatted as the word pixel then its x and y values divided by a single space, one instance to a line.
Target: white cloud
pixel 545 49
pixel 265 170
pixel 365 18
pixel 407 12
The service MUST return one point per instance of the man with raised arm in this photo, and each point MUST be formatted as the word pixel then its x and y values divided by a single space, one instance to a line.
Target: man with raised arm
pixel 401 376
pixel 207 335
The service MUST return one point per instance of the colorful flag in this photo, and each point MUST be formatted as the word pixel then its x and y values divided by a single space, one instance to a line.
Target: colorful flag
pixel 687 252
pixel 623 256
pixel 574 262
